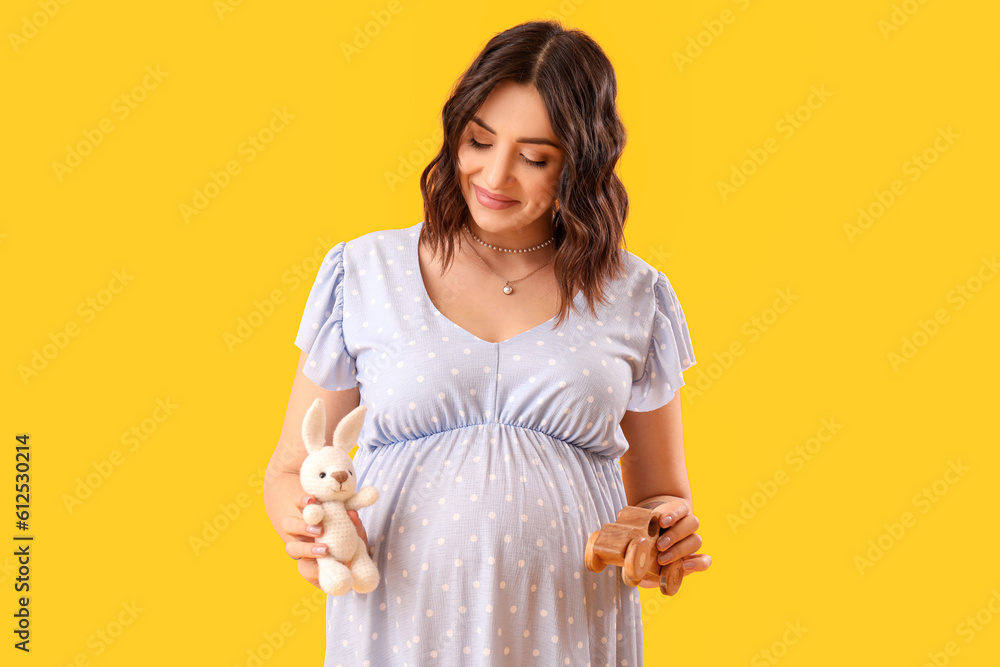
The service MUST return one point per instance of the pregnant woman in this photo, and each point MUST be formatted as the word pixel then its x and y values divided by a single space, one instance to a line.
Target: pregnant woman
pixel 522 374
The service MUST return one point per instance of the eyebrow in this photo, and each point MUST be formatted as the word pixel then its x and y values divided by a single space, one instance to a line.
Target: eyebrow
pixel 523 140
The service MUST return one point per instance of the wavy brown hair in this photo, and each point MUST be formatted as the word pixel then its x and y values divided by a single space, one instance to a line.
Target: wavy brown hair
pixel 577 84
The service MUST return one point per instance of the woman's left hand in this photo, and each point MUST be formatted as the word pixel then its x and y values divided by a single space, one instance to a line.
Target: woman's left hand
pixel 678 539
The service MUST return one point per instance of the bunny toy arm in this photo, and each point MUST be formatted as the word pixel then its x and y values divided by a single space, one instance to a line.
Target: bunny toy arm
pixel 363 498
pixel 312 514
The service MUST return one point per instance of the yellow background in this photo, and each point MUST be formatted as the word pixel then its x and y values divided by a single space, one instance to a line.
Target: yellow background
pixel 821 544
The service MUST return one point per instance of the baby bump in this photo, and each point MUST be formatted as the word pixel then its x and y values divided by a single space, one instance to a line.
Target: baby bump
pixel 474 499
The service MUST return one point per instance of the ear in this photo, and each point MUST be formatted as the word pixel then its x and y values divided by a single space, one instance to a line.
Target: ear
pixel 345 436
pixel 314 426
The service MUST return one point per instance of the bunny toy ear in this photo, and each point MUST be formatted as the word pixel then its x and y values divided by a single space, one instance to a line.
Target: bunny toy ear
pixel 346 434
pixel 314 426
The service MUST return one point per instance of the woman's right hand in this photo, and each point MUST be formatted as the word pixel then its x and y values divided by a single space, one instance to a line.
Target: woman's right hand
pixel 301 547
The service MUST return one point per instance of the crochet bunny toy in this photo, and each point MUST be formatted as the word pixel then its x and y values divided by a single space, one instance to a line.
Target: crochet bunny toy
pixel 327 473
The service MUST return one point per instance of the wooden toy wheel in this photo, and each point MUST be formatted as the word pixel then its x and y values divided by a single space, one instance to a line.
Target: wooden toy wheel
pixel 629 581
pixel 636 559
pixel 671 577
pixel 593 561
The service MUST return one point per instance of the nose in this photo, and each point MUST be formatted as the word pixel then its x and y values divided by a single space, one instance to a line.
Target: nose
pixel 340 476
pixel 496 172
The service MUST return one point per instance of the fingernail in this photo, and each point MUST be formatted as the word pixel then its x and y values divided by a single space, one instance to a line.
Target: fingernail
pixel 664 541
pixel 664 558
pixel 688 566
pixel 321 550
pixel 315 530
pixel 306 499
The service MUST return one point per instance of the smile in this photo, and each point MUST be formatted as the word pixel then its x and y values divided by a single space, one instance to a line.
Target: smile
pixel 493 201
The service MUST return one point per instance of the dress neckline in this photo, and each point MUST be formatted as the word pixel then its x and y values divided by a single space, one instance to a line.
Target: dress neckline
pixel 415 250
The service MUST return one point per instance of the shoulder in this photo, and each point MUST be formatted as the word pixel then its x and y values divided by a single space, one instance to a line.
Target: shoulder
pixel 381 240
pixel 372 249
pixel 640 276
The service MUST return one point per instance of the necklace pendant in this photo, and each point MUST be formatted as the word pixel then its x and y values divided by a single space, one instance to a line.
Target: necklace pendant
pixel 507 289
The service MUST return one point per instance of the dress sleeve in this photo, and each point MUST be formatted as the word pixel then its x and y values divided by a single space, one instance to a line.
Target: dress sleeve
pixel 321 331
pixel 669 353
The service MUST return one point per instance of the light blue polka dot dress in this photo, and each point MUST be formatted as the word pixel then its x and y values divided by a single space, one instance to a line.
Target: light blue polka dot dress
pixel 494 461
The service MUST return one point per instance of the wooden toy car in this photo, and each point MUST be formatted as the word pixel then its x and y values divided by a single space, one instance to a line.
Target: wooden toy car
pixel 630 542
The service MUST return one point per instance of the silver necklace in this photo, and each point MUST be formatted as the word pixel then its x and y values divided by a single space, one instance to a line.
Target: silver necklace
pixel 507 289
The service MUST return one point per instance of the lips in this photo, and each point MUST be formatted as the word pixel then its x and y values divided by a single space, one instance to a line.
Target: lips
pixel 492 195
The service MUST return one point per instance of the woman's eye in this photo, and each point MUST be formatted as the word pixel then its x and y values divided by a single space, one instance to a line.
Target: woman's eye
pixel 534 163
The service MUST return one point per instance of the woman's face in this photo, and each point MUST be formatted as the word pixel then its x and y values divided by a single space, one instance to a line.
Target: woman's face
pixel 509 151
